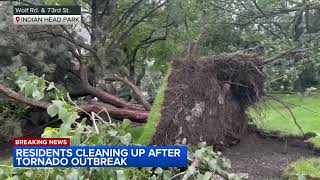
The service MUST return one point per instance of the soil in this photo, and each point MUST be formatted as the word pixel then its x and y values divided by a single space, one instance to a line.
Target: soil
pixel 205 95
pixel 264 157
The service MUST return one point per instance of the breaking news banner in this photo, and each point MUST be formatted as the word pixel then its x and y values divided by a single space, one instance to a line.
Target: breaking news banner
pixel 56 152
pixel 41 142
pixel 46 15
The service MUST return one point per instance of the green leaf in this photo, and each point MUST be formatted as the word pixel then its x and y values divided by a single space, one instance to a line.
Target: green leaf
pixel 158 170
pixel 48 129
pixel 64 129
pixel 213 164
pixel 126 139
pixel 199 153
pixel 153 177
pixel 63 114
pixel 73 175
pixel 16 171
pixel 73 117
pixel 23 69
pixel 226 163
pixel 49 133
pixel 121 175
pixel 41 84
pixel 28 173
pixel 58 103
pixel 15 177
pixel 206 176
pixel 52 110
pixel 112 132
pixel 167 175
pixel 68 119
pixel 29 88
pixel 126 123
pixel 190 171
pixel 202 144
pixel 21 83
pixel 59 177
pixel 21 73
pixel 37 95
pixel 75 140
pixel 50 86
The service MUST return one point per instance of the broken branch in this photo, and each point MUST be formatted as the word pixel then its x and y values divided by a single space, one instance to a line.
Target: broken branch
pixel 133 115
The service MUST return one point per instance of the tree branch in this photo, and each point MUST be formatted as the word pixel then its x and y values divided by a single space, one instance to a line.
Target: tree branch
pixel 102 95
pixel 281 54
pixel 138 95
pixel 127 13
pixel 134 115
pixel 142 19
pixel 22 99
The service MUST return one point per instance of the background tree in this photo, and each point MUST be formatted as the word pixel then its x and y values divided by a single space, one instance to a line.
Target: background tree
pixel 112 44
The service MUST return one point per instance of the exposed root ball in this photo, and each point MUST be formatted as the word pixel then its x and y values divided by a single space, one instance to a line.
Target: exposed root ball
pixel 206 99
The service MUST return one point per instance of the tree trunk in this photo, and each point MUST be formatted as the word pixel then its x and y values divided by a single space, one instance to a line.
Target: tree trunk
pixel 133 115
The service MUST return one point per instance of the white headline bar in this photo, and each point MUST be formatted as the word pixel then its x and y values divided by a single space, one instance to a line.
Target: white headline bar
pixel 46 19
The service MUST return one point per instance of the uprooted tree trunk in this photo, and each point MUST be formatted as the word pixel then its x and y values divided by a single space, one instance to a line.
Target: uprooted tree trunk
pixel 206 99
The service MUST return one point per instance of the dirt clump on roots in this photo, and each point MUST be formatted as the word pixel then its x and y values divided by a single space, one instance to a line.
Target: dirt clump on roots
pixel 206 99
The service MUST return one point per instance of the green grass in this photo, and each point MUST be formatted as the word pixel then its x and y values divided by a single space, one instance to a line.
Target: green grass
pixel 308 167
pixel 276 118
pixel 315 141
pixel 306 109
pixel 155 113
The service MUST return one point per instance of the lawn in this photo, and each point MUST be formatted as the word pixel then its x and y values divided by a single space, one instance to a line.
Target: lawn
pixel 309 168
pixel 306 109
pixel 276 117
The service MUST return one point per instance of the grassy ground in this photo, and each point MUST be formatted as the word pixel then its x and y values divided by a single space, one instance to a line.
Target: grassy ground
pixel 306 109
pixel 309 168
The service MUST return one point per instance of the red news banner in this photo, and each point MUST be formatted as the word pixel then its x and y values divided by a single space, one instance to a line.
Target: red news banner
pixel 41 142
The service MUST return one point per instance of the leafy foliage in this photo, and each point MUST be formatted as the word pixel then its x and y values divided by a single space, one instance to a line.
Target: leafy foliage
pixel 208 164
pixel 30 85
pixel 101 134
pixel 10 126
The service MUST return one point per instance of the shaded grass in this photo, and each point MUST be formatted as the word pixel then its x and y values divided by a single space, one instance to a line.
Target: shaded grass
pixel 308 167
pixel 277 118
pixel 306 109
pixel 315 141
pixel 155 114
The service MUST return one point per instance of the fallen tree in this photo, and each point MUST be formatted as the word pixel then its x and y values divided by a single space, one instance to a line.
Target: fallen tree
pixel 206 99
pixel 88 106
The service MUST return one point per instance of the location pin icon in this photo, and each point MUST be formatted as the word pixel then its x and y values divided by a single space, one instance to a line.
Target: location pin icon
pixel 17 19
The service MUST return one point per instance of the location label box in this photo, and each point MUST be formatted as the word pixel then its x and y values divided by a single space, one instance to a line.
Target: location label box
pixel 46 15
